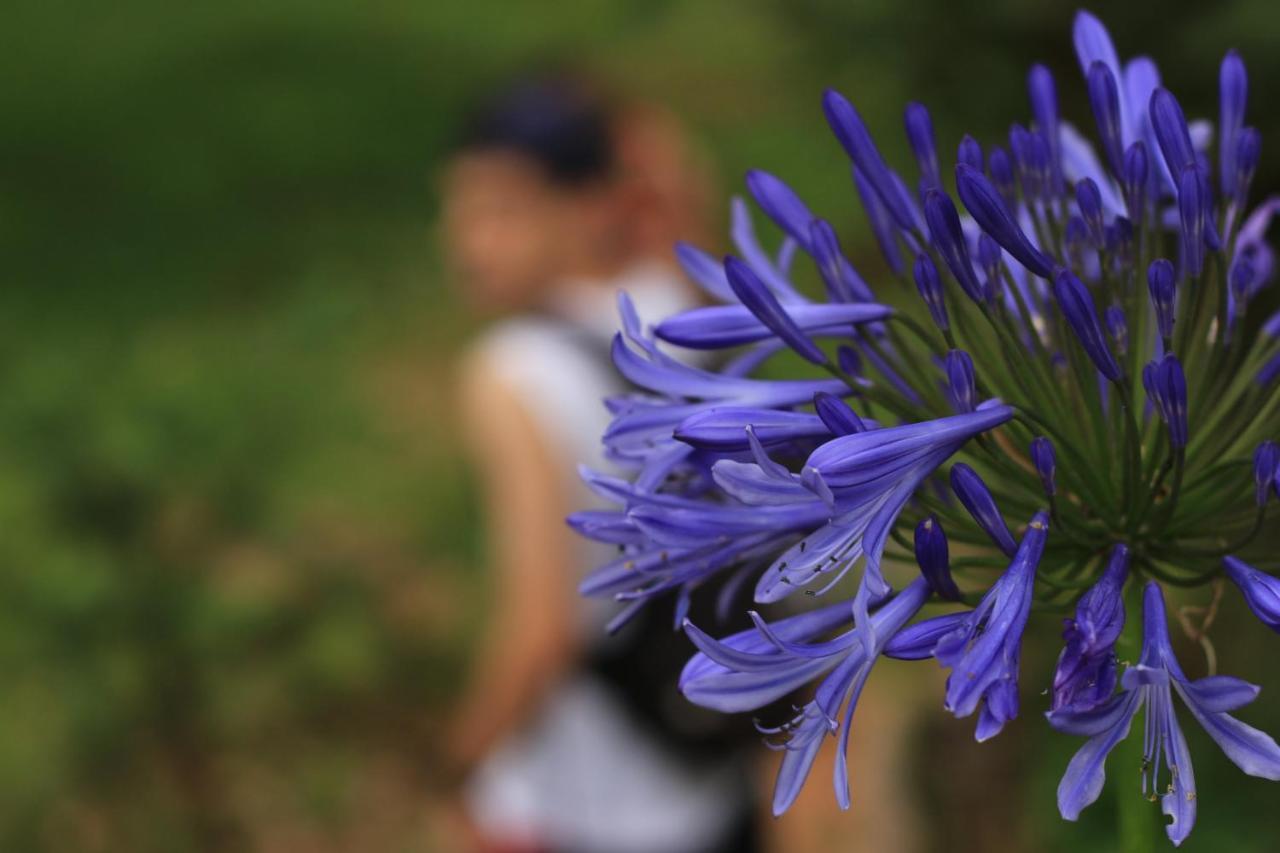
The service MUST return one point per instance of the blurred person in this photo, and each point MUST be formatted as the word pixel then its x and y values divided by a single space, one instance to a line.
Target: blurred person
pixel 554 203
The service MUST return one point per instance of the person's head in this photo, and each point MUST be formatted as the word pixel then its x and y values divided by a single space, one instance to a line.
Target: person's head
pixel 552 182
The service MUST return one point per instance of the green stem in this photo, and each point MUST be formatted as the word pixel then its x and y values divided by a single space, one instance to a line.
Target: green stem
pixel 1132 457
pixel 1137 817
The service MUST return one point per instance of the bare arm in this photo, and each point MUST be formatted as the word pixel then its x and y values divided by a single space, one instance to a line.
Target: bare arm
pixel 530 637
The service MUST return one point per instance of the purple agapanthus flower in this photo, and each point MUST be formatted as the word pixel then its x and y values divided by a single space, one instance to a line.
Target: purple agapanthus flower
pixel 1077 321
pixel 867 478
pixel 983 650
pixel 1152 682
pixel 754 668
pixel 1086 673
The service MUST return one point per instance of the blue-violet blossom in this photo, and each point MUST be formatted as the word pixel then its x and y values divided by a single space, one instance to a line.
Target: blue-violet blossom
pixel 1070 321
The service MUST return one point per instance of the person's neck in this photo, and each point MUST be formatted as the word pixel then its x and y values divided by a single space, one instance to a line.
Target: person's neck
pixel 597 271
pixel 592 301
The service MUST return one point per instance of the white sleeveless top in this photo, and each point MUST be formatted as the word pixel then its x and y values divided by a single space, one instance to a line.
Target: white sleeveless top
pixel 583 776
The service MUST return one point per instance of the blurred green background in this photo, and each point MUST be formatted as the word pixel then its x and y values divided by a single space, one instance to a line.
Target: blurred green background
pixel 239 556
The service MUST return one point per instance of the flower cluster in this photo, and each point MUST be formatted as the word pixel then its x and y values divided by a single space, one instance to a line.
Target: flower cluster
pixel 1072 346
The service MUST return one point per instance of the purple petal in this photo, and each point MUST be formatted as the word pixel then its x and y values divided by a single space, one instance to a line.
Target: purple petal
pixel 721 326
pixel 1080 161
pixel 856 139
pixel 751 485
pixel 670 377
pixel 802 749
pixel 743 232
pixel 986 206
pixel 1219 693
pixel 1233 89
pixel 706 271
pixel 1171 132
pixel 781 204
pixel 1093 44
pixel 1253 751
pixel 882 225
pixel 735 691
pixel 854 460
pixel 764 305
pixel 723 428
pixel 917 641
pixel 831 548
pixel 842 280
pixel 839 418
pixel 803 626
pixel 1082 782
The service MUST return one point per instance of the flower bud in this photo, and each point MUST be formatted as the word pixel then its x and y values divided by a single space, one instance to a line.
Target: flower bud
pixel 1078 308
pixel 1046 462
pixel 836 414
pixel 989 211
pixel 1163 290
pixel 921 139
pixel 1002 174
pixel 1261 591
pixel 934 560
pixel 960 381
pixel 977 499
pixel 1166 387
pixel 761 302
pixel 1104 97
pixel 781 204
pixel 948 238
pixel 1075 241
pixel 1044 106
pixel 989 258
pixel 1024 159
pixel 1135 181
pixel 1240 281
pixel 842 280
pixel 1117 328
pixel 849 361
pixel 1248 150
pixel 929 283
pixel 883 226
pixel 970 153
pixel 1265 459
pixel 1090 202
pixel 1119 240
pixel 1271 328
pixel 1192 213
pixel 1233 91
pixel 856 140
pixel 1171 132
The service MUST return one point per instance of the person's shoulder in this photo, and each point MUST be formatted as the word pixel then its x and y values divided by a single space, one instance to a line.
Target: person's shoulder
pixel 489 396
pixel 511 334
pixel 523 356
pixel 519 345
pixel 543 355
pixel 493 356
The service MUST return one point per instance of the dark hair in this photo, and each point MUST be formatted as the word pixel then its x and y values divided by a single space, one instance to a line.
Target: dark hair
pixel 555 121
